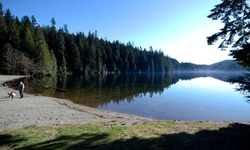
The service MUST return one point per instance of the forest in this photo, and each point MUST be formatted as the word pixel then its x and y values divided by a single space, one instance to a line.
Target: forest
pixel 30 49
pixel 26 48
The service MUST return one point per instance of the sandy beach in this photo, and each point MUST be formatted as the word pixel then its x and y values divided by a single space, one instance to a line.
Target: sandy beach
pixel 35 110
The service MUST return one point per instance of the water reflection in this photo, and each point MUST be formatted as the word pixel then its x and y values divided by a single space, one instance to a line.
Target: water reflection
pixel 96 91
pixel 243 82
pixel 144 94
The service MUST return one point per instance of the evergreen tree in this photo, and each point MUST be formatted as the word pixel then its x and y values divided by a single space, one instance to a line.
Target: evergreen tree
pixel 27 44
pixel 3 28
pixel 12 35
pixel 143 61
pixel 53 22
pixel 106 52
pixel 91 53
pixel 33 21
pixel 56 42
pixel 116 54
pixel 73 60
pixel 168 66
pixel 131 57
pixel 242 56
pixel 234 14
pixel 42 50
pixel 3 33
pixel 99 62
pixel 51 35
pixel 54 67
pixel 60 52
pixel 82 44
pixel 124 61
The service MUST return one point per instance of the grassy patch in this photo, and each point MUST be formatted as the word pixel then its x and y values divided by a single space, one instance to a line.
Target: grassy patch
pixel 150 135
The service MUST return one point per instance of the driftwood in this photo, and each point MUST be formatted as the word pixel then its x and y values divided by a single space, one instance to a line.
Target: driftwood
pixel 57 89
pixel 60 90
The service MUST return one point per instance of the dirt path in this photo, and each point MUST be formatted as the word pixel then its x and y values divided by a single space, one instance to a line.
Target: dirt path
pixel 42 111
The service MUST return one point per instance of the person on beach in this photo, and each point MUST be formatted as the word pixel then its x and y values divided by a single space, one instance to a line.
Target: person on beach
pixel 21 89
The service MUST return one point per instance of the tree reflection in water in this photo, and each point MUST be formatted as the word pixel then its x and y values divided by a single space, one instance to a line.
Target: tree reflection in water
pixel 95 91
pixel 243 82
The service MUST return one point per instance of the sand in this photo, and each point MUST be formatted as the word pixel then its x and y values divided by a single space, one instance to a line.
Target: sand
pixel 35 110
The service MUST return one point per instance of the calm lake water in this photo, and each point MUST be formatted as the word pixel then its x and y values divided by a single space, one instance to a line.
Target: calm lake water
pixel 187 97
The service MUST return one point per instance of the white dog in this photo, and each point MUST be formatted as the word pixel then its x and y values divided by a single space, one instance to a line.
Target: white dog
pixel 12 94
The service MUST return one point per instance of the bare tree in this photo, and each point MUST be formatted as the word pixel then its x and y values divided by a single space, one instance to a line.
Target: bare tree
pixel 16 62
pixel 11 59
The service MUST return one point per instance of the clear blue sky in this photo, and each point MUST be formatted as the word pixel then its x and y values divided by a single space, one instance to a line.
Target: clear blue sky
pixel 179 28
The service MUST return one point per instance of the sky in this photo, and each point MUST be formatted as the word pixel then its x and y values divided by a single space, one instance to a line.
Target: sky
pixel 178 28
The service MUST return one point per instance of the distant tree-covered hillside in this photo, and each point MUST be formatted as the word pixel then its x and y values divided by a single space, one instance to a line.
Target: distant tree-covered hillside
pixel 28 48
pixel 228 65
pixel 225 65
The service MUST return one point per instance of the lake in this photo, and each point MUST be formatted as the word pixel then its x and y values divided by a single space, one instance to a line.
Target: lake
pixel 179 96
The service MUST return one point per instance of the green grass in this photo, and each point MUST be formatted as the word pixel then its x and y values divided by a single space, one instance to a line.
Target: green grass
pixel 150 135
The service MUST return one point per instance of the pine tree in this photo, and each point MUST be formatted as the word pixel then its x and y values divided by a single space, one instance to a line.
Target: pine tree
pixel 73 56
pixel 3 28
pixel 27 44
pixel 131 57
pixel 42 50
pixel 235 16
pixel 3 33
pixel 60 51
pixel 13 29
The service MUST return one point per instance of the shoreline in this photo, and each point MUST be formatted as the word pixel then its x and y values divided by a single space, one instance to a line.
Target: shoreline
pixel 33 110
pixel 37 110
pixel 53 115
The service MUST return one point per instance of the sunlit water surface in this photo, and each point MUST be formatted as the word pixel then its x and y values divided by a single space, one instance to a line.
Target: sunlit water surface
pixel 202 98
pixel 166 98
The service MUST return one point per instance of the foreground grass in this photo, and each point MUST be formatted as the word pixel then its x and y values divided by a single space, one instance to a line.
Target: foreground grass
pixel 150 135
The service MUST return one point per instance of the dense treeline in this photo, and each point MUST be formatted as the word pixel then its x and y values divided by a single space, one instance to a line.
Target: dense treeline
pixel 225 65
pixel 28 48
